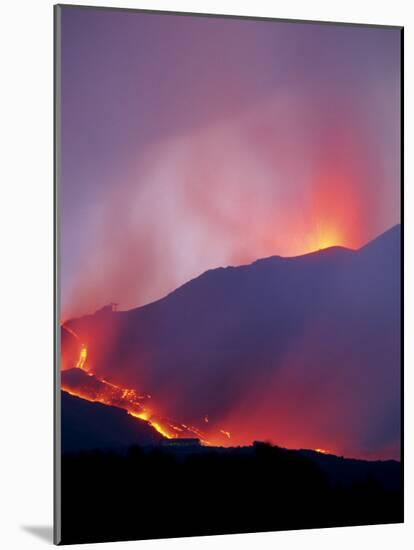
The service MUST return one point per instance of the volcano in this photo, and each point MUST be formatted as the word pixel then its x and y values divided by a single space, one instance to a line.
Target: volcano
pixel 304 351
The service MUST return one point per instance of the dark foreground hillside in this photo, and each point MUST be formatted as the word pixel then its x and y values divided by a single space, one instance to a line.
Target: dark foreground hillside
pixel 86 426
pixel 155 492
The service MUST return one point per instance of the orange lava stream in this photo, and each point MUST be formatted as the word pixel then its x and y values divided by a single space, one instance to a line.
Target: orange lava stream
pixel 110 394
pixel 83 355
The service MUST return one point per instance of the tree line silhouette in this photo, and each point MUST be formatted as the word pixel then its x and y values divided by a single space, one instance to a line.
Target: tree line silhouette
pixel 153 492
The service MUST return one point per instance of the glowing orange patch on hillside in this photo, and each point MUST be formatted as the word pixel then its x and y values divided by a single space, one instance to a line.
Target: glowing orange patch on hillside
pixel 83 355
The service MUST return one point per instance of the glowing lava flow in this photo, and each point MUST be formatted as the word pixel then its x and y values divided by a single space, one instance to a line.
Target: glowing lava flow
pixel 92 388
pixel 83 355
pixel 81 382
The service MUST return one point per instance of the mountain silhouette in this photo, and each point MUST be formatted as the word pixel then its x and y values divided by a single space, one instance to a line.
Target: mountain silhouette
pixel 302 351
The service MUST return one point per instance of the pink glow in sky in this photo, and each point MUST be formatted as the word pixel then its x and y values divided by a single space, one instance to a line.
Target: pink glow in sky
pixel 191 143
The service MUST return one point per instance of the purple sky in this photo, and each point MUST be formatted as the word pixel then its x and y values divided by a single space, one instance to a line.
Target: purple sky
pixel 194 142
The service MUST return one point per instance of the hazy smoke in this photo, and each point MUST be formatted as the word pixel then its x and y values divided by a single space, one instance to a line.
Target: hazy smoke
pixel 263 183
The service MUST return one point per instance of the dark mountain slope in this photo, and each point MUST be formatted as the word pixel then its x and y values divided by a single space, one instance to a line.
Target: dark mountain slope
pixel 302 351
pixel 88 426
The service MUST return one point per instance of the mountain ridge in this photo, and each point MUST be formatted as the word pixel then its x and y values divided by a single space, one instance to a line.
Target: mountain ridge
pixel 234 342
